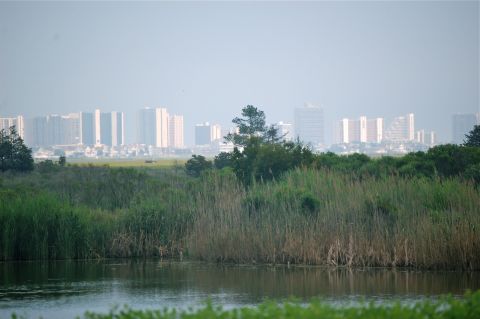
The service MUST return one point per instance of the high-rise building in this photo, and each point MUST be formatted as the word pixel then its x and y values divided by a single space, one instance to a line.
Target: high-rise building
pixel 105 129
pixel 39 131
pixel 100 128
pixel 161 127
pixel 285 131
pixel 203 134
pixel 118 128
pixel 97 120
pixel 70 129
pixel 362 130
pixel 175 131
pixel 18 122
pixel 153 127
pixel 87 129
pixel 375 130
pixel 427 138
pixel 309 124
pixel 216 132
pixel 463 124
pixel 207 133
pixel 401 129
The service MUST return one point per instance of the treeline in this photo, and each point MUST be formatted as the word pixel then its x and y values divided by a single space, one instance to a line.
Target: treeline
pixel 266 161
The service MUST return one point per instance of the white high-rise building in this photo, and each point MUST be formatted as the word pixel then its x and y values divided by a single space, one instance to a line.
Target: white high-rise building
pixel 18 122
pixel 175 131
pixel 375 130
pixel 402 129
pixel 362 130
pixel 161 127
pixel 97 127
pixel 285 131
pixel 309 124
pixel 216 132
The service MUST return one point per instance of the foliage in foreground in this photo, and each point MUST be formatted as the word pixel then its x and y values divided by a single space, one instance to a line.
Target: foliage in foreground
pixel 308 216
pixel 447 307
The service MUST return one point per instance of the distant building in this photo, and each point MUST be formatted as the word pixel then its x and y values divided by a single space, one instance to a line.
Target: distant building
pixel 87 129
pixel 375 130
pixel 362 130
pixel 18 122
pixel 401 129
pixel 118 128
pixel 216 134
pixel 463 124
pixel 285 131
pixel 309 124
pixel 99 128
pixel 175 131
pixel 153 127
pixel 207 133
pixel 39 131
pixel 427 138
pixel 70 129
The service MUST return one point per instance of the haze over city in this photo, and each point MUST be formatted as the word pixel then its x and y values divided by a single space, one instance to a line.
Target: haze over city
pixel 208 60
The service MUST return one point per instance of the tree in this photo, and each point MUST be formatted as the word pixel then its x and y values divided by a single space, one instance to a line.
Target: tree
pixel 62 160
pixel 252 124
pixel 473 138
pixel 14 155
pixel 223 159
pixel 196 165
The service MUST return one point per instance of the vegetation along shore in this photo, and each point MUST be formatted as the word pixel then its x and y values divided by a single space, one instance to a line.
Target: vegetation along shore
pixel 269 201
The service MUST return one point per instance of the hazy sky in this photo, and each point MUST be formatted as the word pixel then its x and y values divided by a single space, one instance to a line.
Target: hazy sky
pixel 208 60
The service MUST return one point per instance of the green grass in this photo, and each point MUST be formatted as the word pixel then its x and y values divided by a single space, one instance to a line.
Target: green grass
pixel 444 308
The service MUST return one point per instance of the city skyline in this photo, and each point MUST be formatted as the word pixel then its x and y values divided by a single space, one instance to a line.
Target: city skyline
pixel 208 69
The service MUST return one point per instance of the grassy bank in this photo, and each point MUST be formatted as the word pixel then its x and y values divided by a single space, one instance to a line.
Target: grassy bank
pixel 310 216
pixel 465 308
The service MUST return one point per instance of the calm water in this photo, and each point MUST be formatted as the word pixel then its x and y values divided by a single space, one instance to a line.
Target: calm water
pixel 67 289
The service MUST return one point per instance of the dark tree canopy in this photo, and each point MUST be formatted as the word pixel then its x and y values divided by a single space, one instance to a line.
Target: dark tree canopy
pixel 196 165
pixel 250 125
pixel 14 154
pixel 473 138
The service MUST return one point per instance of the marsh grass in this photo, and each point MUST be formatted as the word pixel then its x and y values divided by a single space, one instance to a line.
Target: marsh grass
pixel 331 218
pixel 307 216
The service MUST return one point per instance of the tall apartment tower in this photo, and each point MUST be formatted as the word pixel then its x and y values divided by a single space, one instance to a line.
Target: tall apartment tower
pixel 153 127
pixel 207 133
pixel 285 131
pixel 118 128
pixel 18 122
pixel 462 124
pixel 100 128
pixel 375 130
pixel 70 129
pixel 402 129
pixel 362 130
pixel 309 124
pixel 175 131
pixel 87 129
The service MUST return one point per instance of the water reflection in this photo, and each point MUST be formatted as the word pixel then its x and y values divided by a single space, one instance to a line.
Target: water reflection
pixel 69 287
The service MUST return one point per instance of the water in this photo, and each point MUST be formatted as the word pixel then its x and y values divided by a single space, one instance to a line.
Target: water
pixel 66 289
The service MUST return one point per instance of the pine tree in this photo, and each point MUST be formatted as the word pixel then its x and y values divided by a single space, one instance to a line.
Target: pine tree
pixel 14 154
pixel 473 138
